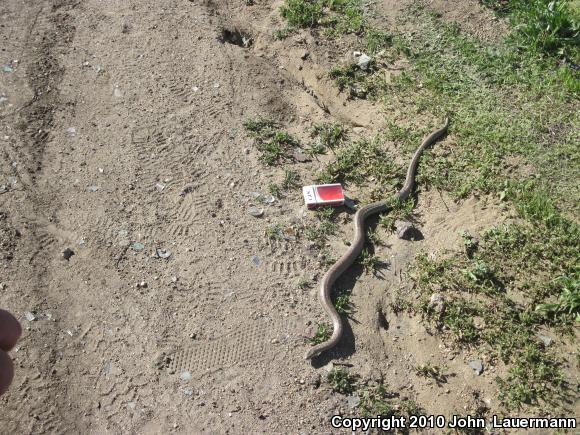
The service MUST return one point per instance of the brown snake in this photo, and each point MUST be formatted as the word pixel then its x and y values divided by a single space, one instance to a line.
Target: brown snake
pixel 357 245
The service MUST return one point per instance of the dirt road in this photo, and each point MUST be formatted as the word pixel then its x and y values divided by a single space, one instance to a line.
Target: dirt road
pixel 122 141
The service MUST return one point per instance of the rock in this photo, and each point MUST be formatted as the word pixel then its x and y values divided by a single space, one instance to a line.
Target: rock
pixel 67 253
pixel 256 260
pixel 301 157
pixel 141 284
pixel 477 366
pixel 187 391
pixel 162 253
pixel 305 55
pixel 186 376
pixel 117 93
pixel 30 316
pixel 353 401
pixel 137 246
pixel 7 69
pixel 255 211
pixel 93 188
pixel 71 131
pixel 406 231
pixel 545 339
pixel 437 303
pixel 364 62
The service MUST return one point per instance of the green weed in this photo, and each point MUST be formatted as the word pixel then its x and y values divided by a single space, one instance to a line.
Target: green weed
pixel 322 334
pixel 431 371
pixel 274 144
pixel 341 381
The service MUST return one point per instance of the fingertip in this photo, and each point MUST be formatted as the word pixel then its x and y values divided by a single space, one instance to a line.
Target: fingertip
pixel 10 330
pixel 6 371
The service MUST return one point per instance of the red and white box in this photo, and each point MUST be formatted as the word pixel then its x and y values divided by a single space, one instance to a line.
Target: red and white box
pixel 323 194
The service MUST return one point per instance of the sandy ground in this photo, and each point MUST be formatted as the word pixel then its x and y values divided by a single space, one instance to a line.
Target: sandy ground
pixel 121 139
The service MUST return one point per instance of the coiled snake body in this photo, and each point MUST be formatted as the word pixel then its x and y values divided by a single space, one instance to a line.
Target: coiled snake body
pixel 357 245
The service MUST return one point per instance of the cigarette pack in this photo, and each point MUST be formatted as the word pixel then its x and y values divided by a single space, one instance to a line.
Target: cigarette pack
pixel 323 194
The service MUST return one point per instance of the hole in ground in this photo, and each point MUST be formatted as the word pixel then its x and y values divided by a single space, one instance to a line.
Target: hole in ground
pixel 235 37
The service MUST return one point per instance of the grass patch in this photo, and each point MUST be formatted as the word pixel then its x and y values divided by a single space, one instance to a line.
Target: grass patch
pixel 322 334
pixel 432 372
pixel 521 257
pixel 358 83
pixel 341 381
pixel 335 16
pixel 543 26
pixel 273 232
pixel 342 303
pixel 274 144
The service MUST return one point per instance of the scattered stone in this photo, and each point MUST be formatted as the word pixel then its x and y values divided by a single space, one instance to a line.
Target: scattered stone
pixel 7 69
pixel 117 93
pixel 141 284
pixel 137 246
pixel 30 316
pixel 132 406
pixel 437 303
pixel 186 376
pixel 160 186
pixel 477 366
pixel 67 253
pixel 256 260
pixel 305 55
pixel 301 157
pixel 255 211
pixel 162 253
pixel 545 339
pixel 71 131
pixel 406 231
pixel 356 53
pixel 353 401
pixel 93 188
pixel 187 391
pixel 195 89
pixel 364 62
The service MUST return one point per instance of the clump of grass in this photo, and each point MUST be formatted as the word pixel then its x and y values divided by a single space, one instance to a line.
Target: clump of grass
pixel 358 83
pixel 336 16
pixel 322 334
pixel 342 303
pixel 470 243
pixel 369 262
pixel 362 162
pixel 302 13
pixel 567 307
pixel 291 179
pixel 397 210
pixel 377 40
pixel 431 371
pixel 303 283
pixel 275 190
pixel 273 232
pixel 545 26
pixel 330 136
pixel 274 144
pixel 326 226
pixel 341 381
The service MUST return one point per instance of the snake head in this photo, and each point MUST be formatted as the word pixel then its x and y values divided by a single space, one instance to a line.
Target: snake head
pixel 312 353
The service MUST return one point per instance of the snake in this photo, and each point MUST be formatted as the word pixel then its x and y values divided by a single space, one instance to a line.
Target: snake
pixel 348 258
